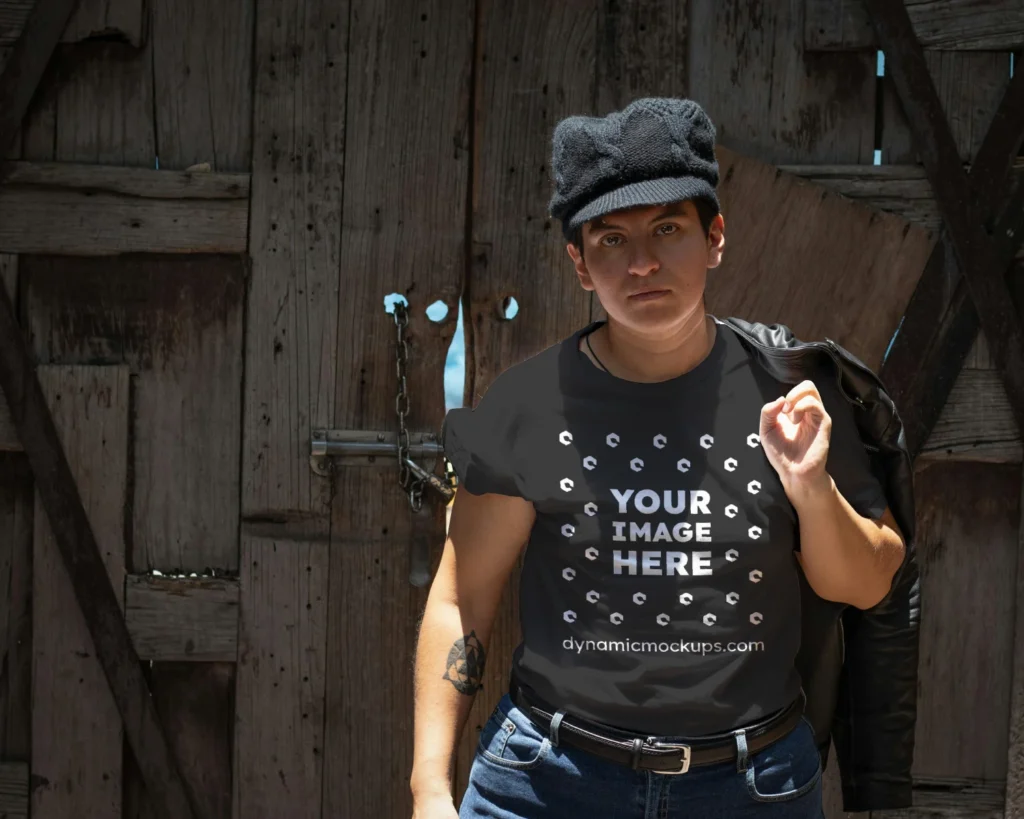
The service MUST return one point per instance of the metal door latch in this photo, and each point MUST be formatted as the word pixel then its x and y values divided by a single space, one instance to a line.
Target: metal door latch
pixel 357 447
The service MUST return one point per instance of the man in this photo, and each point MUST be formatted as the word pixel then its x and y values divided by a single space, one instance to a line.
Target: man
pixel 672 491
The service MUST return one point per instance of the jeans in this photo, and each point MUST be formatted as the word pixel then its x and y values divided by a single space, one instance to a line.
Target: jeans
pixel 517 773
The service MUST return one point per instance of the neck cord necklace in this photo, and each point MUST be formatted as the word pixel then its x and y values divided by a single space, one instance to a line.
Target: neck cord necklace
pixel 586 338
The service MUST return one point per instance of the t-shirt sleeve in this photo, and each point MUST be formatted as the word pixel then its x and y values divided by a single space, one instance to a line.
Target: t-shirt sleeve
pixel 481 443
pixel 849 462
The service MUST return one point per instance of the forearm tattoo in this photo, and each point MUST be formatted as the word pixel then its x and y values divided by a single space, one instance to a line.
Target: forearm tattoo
pixel 466 664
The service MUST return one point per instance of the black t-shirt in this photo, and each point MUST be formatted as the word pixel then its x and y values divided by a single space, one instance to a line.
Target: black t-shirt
pixel 659 590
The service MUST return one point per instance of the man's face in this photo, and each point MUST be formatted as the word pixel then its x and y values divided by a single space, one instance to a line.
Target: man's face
pixel 648 265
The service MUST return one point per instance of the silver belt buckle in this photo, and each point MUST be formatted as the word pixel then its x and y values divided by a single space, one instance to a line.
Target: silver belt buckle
pixel 673 746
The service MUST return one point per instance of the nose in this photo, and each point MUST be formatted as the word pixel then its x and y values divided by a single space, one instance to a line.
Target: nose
pixel 642 262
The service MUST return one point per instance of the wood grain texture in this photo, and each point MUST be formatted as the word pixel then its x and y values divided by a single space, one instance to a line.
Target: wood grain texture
pixel 192 619
pixel 177 323
pixel 983 25
pixel 16 520
pixel 103 105
pixel 767 97
pixel 292 352
pixel 967 546
pixel 202 81
pixel 970 86
pixel 138 183
pixel 196 702
pixel 392 241
pixel 77 210
pixel 1014 804
pixel 14 781
pixel 899 189
pixel 26 63
pixel 779 227
pixel 976 423
pixel 119 19
pixel 292 339
pixel 279 715
pixel 535 64
pixel 77 751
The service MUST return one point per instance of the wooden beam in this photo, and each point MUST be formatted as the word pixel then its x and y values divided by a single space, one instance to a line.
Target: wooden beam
pixel 26 63
pixel 939 326
pixel 950 25
pixel 182 618
pixel 962 217
pixel 90 210
pixel 78 752
pixel 900 189
pixel 73 533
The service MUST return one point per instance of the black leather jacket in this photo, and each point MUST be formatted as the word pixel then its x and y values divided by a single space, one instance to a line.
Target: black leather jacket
pixel 859 667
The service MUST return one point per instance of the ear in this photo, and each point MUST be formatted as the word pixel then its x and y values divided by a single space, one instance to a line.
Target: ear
pixel 716 241
pixel 581 267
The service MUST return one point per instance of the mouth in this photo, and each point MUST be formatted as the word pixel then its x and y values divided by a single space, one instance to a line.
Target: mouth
pixel 645 295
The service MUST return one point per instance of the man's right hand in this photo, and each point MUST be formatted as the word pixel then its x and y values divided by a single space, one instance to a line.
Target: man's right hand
pixel 434 806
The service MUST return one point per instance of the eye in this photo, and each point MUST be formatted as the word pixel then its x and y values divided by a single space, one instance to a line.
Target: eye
pixel 674 228
pixel 605 242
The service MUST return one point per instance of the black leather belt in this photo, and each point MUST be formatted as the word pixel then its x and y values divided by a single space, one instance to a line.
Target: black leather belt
pixel 647 752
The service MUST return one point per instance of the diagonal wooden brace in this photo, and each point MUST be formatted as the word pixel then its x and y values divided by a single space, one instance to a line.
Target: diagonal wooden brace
pixel 54 481
pixel 962 218
pixel 938 330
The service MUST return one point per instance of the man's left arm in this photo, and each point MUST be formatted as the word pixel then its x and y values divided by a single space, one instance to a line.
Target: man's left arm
pixel 850 544
pixel 846 557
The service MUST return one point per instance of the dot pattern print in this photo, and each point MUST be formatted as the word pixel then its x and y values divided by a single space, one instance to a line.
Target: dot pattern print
pixel 649 504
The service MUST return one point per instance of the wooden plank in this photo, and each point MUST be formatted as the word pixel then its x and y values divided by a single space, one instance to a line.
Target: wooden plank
pixel 177 322
pixel 25 64
pixel 975 25
pixel 292 327
pixel 969 518
pixel 978 253
pixel 9 281
pixel 137 183
pixel 292 351
pixel 642 48
pixel 196 701
pixel 279 718
pixel 88 220
pixel 970 87
pixel 900 189
pixel 962 812
pixel 770 100
pixel 976 422
pixel 524 49
pixel 780 227
pixel 16 506
pixel 202 73
pixel 77 751
pixel 14 778
pixel 103 106
pixel 377 542
pixel 118 19
pixel 1014 804
pixel 96 598
pixel 182 618
pixel 941 321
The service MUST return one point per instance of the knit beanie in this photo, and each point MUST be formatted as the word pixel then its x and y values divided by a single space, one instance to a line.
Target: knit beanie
pixel 655 151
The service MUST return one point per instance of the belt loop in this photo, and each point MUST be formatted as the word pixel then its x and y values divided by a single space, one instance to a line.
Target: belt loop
pixel 741 750
pixel 637 745
pixel 556 720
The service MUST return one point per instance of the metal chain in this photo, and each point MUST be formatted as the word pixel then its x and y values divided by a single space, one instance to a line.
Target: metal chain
pixel 413 485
